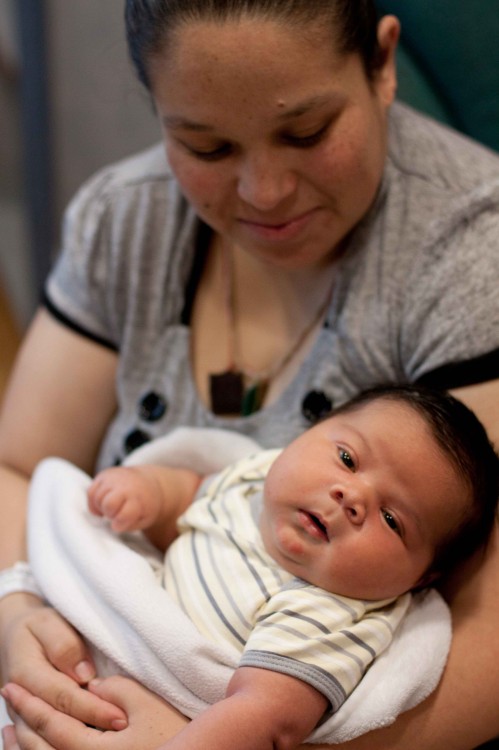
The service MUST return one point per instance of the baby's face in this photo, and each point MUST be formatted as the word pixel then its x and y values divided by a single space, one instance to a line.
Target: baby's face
pixel 358 504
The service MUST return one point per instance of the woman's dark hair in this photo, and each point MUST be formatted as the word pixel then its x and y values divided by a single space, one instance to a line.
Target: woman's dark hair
pixel 150 23
pixel 463 439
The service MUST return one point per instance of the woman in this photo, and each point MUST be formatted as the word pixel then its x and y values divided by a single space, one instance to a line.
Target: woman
pixel 305 240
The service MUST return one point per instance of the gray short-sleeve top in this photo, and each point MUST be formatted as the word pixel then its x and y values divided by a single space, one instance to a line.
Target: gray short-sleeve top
pixel 415 297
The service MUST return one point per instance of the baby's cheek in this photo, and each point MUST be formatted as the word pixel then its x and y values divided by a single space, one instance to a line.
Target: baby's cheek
pixel 290 542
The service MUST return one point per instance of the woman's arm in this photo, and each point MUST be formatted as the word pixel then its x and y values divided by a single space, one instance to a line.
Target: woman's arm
pixel 59 401
pixel 60 398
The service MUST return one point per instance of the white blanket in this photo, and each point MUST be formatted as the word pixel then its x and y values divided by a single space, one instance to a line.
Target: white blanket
pixel 110 592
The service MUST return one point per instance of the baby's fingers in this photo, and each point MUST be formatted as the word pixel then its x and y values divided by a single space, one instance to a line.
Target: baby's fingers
pixel 128 517
pixel 112 504
pixel 104 500
pixel 95 495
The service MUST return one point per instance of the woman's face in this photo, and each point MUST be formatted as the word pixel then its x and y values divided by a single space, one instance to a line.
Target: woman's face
pixel 277 141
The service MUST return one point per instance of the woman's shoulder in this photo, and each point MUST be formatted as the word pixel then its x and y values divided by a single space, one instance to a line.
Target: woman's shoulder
pixel 147 166
pixel 440 158
pixel 438 184
pixel 128 234
pixel 127 183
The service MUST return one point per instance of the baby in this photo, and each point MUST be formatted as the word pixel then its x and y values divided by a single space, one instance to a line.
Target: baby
pixel 303 558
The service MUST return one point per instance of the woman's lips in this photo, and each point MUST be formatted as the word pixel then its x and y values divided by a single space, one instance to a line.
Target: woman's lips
pixel 276 231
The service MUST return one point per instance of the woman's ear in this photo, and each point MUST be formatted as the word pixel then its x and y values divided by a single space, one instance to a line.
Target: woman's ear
pixel 385 80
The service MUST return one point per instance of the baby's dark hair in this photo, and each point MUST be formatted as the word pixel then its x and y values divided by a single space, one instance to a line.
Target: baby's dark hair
pixel 463 439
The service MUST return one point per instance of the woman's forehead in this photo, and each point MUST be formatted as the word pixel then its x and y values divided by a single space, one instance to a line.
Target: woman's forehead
pixel 241 41
pixel 280 67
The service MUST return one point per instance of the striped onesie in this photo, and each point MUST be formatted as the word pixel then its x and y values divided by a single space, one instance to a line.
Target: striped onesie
pixel 222 577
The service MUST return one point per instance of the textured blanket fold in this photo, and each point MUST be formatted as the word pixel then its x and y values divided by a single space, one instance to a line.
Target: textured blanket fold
pixel 108 588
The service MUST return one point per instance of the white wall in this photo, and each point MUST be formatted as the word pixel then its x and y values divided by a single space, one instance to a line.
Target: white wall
pixel 15 269
pixel 99 113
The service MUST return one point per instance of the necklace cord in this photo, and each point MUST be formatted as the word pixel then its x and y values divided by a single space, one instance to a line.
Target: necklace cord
pixel 229 393
pixel 235 359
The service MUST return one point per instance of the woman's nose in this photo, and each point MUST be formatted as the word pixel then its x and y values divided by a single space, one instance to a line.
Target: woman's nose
pixel 354 504
pixel 263 182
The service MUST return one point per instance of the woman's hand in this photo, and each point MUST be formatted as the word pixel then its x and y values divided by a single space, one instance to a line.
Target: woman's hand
pixel 43 654
pixel 151 721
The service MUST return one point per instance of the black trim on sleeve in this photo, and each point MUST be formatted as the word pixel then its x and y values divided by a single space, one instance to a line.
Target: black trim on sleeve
pixel 460 374
pixel 76 327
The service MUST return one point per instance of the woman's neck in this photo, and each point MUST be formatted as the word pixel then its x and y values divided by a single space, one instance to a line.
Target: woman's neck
pixel 251 316
pixel 261 288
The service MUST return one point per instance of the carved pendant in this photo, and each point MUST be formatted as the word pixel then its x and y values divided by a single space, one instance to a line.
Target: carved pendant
pixel 229 397
pixel 226 393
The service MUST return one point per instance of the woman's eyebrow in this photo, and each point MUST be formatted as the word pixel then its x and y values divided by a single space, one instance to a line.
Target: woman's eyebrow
pixel 175 122
pixel 315 102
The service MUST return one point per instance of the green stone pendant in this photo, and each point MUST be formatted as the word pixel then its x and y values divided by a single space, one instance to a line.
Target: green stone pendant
pixel 253 398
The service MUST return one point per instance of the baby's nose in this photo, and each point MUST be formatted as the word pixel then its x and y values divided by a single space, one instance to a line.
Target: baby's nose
pixel 354 506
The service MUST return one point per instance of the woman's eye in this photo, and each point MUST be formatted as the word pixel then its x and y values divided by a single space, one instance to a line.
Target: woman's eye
pixel 391 522
pixel 347 459
pixel 307 141
pixel 209 154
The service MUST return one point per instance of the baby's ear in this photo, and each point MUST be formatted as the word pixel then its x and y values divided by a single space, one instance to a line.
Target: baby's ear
pixel 427 579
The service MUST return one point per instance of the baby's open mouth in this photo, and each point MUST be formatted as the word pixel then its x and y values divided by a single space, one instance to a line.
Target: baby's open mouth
pixel 315 526
pixel 315 520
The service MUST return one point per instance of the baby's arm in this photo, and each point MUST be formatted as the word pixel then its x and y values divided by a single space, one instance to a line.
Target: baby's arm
pixel 149 498
pixel 262 710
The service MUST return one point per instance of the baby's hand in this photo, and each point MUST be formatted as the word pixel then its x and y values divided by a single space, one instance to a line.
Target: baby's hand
pixel 127 496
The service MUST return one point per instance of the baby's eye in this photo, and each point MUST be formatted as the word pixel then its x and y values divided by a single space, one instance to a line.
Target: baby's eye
pixel 391 521
pixel 347 459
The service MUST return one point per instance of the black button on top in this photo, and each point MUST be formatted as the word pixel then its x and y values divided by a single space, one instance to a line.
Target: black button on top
pixel 316 405
pixel 134 440
pixel 152 407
